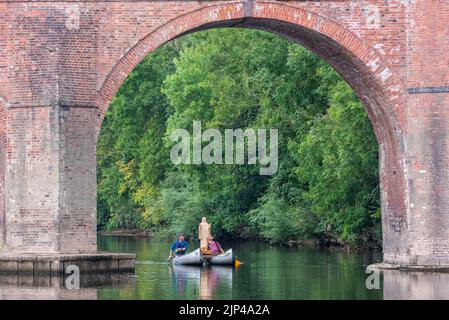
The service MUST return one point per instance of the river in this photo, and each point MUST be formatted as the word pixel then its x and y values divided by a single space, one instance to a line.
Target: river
pixel 266 272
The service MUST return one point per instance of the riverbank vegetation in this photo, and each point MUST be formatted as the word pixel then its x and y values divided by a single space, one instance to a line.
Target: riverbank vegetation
pixel 327 184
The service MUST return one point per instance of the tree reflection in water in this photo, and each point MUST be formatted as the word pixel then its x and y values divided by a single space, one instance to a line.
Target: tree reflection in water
pixel 202 282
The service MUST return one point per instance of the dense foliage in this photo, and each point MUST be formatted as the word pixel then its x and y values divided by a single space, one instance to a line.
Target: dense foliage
pixel 327 183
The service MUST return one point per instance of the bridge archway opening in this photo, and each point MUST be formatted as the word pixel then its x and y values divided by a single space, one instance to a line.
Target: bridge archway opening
pixel 361 66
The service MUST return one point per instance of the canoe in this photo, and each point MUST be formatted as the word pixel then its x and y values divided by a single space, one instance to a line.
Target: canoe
pixel 226 258
pixel 192 258
pixel 195 258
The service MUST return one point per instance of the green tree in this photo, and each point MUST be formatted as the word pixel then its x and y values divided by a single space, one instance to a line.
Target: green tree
pixel 338 163
pixel 327 182
pixel 130 154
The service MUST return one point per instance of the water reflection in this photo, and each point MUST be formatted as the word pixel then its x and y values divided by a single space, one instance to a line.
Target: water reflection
pixel 203 280
pixel 41 287
pixel 401 285
pixel 268 272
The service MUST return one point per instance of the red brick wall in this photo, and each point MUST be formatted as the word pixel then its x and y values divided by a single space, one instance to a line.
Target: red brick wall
pixel 77 178
pixel 62 62
pixel 32 181
pixel 427 136
pixel 2 124
pixel 2 174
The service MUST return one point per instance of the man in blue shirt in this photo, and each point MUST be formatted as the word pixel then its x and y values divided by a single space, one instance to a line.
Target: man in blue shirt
pixel 179 247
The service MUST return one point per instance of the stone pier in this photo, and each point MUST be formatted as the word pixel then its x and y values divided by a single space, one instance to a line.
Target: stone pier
pixel 57 264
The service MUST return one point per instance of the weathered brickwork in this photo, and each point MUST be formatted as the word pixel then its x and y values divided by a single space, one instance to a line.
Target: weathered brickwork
pixel 61 63
pixel 77 178
pixel 31 179
pixel 2 174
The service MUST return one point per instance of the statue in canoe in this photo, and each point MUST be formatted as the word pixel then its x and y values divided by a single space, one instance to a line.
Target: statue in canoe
pixel 210 251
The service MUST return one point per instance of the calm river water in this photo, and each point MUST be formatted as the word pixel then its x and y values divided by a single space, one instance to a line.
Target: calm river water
pixel 267 272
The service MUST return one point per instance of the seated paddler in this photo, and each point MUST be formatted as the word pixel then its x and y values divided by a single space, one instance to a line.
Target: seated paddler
pixel 214 247
pixel 179 247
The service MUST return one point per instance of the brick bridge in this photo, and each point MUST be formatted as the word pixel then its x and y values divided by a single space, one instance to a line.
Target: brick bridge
pixel 61 63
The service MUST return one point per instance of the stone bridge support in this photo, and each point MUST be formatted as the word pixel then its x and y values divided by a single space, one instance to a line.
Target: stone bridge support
pixel 61 63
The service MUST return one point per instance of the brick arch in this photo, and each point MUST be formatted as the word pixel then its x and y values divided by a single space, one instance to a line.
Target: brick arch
pixel 371 77
pixel 383 106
